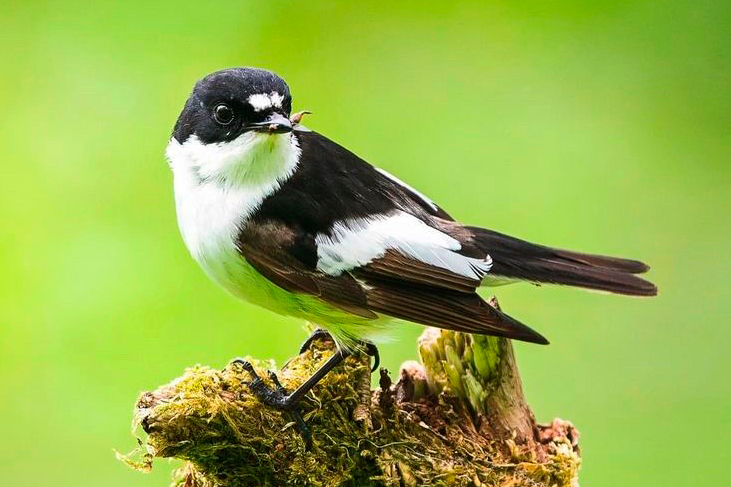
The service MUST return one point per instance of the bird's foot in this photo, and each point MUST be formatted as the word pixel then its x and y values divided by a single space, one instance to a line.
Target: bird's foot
pixel 318 334
pixel 372 351
pixel 322 334
pixel 276 397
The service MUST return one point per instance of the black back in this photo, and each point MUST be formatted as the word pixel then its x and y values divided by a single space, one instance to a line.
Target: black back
pixel 332 184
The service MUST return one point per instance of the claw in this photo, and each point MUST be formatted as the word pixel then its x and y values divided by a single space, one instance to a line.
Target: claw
pixel 319 334
pixel 275 380
pixel 372 351
pixel 244 364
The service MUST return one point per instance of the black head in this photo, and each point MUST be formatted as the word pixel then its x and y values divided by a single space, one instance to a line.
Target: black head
pixel 232 101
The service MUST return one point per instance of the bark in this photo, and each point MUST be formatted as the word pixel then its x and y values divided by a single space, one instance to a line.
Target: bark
pixel 458 418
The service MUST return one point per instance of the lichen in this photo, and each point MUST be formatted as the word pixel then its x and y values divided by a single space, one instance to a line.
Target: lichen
pixel 428 429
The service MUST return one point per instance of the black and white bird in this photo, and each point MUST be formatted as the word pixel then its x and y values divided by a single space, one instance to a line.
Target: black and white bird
pixel 285 218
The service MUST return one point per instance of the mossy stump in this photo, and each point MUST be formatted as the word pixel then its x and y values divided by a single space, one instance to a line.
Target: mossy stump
pixel 458 418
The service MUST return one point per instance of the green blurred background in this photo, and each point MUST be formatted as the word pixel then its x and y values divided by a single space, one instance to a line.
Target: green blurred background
pixel 599 126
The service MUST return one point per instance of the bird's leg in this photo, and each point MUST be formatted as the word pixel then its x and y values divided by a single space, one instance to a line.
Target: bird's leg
pixel 278 398
pixel 320 334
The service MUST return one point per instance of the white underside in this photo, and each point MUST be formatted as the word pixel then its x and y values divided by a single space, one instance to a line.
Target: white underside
pixel 217 187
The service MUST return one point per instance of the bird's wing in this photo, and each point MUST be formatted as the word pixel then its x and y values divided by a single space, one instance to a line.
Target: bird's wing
pixel 279 252
pixel 273 249
pixel 364 219
pixel 399 246
pixel 348 224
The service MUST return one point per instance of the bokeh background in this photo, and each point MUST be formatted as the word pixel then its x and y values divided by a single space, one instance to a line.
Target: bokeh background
pixel 600 126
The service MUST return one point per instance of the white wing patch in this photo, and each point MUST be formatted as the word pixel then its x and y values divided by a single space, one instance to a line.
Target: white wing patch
pixel 419 194
pixel 263 101
pixel 356 242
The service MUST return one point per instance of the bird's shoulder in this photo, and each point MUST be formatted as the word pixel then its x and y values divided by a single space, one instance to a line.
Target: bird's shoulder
pixel 333 184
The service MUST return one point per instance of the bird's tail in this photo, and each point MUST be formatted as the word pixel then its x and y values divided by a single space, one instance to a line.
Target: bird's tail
pixel 517 259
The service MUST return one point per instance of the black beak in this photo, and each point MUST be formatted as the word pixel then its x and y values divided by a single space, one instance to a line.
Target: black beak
pixel 274 124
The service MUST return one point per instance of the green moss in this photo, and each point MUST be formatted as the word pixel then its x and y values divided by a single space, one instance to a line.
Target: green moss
pixel 227 438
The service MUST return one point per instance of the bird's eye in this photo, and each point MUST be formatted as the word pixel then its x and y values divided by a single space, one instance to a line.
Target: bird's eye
pixel 223 114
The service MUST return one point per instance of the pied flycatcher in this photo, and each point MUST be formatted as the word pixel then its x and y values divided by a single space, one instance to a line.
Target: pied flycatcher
pixel 285 218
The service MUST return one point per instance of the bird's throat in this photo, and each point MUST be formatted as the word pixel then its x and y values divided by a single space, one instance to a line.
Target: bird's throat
pixel 252 159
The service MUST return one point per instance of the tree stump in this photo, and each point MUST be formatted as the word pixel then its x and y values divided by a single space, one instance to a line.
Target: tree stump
pixel 458 418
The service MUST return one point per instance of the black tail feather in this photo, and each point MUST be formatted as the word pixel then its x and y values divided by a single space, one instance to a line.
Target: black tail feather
pixel 517 259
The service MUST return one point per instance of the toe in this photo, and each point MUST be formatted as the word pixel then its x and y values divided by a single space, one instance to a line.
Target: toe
pixel 275 380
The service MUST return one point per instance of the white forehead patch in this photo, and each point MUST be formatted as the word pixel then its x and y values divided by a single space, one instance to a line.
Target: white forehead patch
pixel 263 101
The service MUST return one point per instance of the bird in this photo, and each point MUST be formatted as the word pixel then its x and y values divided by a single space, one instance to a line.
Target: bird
pixel 283 217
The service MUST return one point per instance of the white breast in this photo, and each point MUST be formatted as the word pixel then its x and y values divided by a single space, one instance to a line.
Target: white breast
pixel 209 215
pixel 217 188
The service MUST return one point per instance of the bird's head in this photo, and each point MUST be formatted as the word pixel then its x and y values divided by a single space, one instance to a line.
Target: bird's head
pixel 230 120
